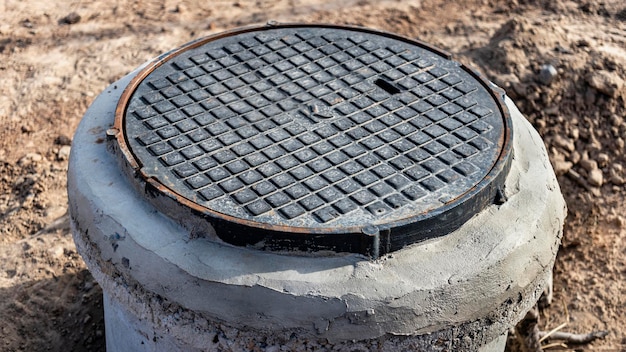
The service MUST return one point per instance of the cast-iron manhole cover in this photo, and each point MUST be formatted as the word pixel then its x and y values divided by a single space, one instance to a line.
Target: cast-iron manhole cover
pixel 312 137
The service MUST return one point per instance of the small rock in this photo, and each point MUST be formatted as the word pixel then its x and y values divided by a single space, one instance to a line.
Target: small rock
pixel 602 160
pixel 559 164
pixel 593 144
pixel 540 124
pixel 57 252
pixel 617 171
pixel 71 18
pixel 616 120
pixel 30 158
pixel 574 157
pixel 595 178
pixel 63 140
pixel 547 74
pixel 564 143
pixel 605 82
pixel 55 211
pixel 561 167
pixel 87 319
pixel 589 164
pixel 64 153
pixel 617 180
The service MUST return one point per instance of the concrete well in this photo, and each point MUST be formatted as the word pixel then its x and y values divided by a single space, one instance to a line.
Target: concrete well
pixel 169 288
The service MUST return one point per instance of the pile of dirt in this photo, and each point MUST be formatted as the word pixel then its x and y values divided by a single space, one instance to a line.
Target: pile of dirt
pixel 565 69
pixel 562 62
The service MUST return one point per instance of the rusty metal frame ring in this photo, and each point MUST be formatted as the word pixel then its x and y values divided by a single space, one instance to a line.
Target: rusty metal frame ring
pixel 368 240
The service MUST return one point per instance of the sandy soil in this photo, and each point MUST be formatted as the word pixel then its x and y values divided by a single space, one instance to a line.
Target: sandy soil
pixel 56 56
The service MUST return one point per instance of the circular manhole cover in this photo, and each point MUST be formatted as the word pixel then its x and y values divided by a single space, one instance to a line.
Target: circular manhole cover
pixel 309 137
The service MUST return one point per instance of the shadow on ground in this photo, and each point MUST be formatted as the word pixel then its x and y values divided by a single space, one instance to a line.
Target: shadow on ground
pixel 71 305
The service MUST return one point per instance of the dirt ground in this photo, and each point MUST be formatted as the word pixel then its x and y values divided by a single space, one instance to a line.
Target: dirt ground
pixel 563 63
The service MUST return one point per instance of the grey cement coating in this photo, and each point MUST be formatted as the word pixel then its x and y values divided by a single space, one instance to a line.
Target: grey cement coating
pixel 167 290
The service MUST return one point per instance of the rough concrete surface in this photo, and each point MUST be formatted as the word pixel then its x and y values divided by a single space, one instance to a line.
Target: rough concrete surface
pixel 460 291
